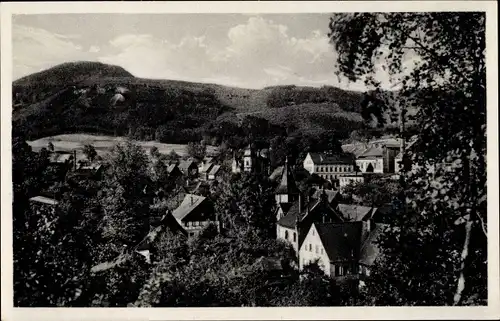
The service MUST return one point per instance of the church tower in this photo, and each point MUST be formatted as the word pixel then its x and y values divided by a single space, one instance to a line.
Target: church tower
pixel 248 159
pixel 287 190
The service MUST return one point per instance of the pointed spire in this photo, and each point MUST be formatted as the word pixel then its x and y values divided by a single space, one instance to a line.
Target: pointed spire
pixel 287 184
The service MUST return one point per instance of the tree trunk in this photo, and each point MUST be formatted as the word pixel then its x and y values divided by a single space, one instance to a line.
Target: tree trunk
pixel 465 251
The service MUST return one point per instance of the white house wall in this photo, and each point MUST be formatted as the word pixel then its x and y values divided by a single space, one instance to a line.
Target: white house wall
pixel 378 165
pixel 312 249
pixel 287 234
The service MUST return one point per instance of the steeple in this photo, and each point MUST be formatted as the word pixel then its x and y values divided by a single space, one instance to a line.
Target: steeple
pixel 287 190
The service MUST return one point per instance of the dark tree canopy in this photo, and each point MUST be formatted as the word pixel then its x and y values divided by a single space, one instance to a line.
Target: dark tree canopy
pixel 447 88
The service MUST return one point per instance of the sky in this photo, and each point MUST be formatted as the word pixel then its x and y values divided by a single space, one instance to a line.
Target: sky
pixel 243 50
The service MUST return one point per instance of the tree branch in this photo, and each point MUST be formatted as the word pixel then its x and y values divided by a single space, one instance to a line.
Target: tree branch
pixel 483 225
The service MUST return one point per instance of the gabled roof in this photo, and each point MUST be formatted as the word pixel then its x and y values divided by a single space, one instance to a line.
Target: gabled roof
pixel 287 183
pixel 353 212
pixel 167 224
pixel 189 203
pixel 268 264
pixel 330 194
pixel 294 214
pixel 184 165
pixel 285 206
pixel 214 170
pixel 44 200
pixel 370 249
pixel 330 159
pixel 60 157
pixel 372 153
pixel 342 241
pixel 171 168
pixel 206 168
pixel 278 171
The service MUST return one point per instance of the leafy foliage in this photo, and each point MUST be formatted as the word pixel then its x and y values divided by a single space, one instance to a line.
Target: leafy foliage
pixel 430 260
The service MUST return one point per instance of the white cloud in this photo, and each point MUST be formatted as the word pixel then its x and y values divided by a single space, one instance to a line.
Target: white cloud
pixel 94 49
pixel 258 53
pixel 35 49
pixel 253 54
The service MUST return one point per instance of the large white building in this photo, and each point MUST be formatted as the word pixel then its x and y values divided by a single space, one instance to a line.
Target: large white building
pixel 329 166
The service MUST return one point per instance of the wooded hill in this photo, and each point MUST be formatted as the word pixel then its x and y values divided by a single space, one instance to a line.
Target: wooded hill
pixel 99 98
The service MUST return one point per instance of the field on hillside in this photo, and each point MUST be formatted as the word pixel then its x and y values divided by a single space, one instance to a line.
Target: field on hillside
pixel 103 144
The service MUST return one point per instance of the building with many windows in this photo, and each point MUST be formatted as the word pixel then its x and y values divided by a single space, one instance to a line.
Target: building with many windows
pixel 329 166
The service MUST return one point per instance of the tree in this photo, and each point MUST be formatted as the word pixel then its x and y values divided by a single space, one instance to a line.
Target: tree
pixel 446 87
pixel 197 150
pixel 89 152
pixel 126 197
pixel 50 146
pixel 154 152
pixel 374 192
pixel 246 203
pixel 173 155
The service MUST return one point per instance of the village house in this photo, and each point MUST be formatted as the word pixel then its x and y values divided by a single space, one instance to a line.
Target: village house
pixel 252 161
pixel 356 213
pixel 195 213
pixel 204 169
pixel 174 171
pixel 215 173
pixel 342 250
pixel 168 224
pixel 329 166
pixel 379 157
pixel 370 250
pixel 189 168
pixel 89 170
pixel 296 218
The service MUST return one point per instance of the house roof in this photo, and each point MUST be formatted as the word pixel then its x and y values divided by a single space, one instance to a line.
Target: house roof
pixel 287 183
pixel 44 200
pixel 370 249
pixel 372 153
pixel 171 168
pixel 342 241
pixel 268 264
pixel 214 170
pixel 285 206
pixel 276 173
pixel 189 203
pixel 122 258
pixel 327 159
pixel 168 223
pixel 388 142
pixel 354 149
pixel 331 194
pixel 184 165
pixel 353 212
pixel 60 157
pixel 294 215
pixel 206 167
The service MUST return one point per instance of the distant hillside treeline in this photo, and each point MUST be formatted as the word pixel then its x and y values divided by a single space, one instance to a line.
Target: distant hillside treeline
pixel 99 98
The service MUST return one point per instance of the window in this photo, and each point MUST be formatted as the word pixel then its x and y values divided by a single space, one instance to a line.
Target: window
pixel 310 248
pixel 191 234
pixel 286 235
pixel 317 249
pixel 314 232
pixel 294 237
